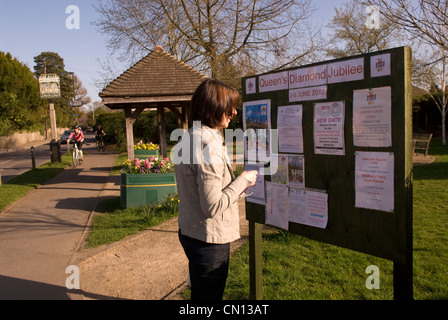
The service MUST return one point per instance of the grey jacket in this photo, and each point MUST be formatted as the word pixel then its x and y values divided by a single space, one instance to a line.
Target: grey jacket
pixel 208 192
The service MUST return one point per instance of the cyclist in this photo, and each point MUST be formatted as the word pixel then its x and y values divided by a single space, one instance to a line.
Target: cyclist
pixel 78 137
pixel 99 133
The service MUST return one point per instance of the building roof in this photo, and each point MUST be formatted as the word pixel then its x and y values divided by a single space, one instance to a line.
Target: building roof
pixel 158 77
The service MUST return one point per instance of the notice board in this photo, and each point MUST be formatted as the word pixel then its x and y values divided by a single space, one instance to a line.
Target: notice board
pixel 345 128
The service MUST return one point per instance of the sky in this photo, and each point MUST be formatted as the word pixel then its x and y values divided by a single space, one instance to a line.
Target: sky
pixel 29 27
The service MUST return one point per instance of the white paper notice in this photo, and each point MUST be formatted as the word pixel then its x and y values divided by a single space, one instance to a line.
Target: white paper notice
pixel 273 81
pixel 374 181
pixel 329 128
pixel 276 205
pixel 347 70
pixel 372 116
pixel 289 125
pixel 256 192
pixel 308 77
pixel 251 86
pixel 380 65
pixel 307 94
pixel 308 207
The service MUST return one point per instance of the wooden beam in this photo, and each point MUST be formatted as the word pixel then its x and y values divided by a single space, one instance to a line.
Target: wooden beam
pixel 185 110
pixel 255 261
pixel 162 130
pixel 132 101
pixel 130 117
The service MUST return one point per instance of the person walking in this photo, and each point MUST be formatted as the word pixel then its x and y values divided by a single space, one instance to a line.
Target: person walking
pixel 208 190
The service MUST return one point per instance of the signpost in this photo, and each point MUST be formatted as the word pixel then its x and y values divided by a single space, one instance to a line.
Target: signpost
pixel 347 180
pixel 50 88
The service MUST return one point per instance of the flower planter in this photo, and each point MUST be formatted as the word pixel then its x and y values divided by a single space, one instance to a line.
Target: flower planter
pixel 138 190
pixel 145 154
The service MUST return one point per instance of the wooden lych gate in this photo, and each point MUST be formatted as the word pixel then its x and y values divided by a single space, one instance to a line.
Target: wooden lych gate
pixel 157 81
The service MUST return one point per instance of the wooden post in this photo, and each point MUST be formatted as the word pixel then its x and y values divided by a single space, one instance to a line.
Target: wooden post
pixel 185 117
pixel 129 133
pixel 162 130
pixel 53 121
pixel 255 261
pixel 33 158
pixel 403 281
pixel 130 119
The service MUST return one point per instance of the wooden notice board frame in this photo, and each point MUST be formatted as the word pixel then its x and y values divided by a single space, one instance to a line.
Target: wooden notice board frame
pixel 384 234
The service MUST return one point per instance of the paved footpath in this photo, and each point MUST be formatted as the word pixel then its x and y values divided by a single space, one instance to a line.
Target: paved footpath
pixel 40 233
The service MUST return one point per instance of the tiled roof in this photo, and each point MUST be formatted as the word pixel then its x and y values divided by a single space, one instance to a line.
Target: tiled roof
pixel 159 74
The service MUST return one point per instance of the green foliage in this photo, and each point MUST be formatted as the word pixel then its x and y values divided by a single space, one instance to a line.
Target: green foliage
pixel 145 127
pixel 114 126
pixel 55 64
pixel 20 104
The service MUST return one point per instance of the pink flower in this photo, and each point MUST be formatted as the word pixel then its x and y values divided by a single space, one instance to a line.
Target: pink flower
pixel 147 164
pixel 152 159
pixel 137 162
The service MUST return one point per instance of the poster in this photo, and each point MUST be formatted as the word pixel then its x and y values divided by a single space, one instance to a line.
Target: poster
pixel 290 131
pixel 296 171
pixel 281 175
pixel 372 117
pixel 329 128
pixel 380 65
pixel 374 181
pixel 257 125
pixel 276 205
pixel 251 86
pixel 255 193
pixel 308 207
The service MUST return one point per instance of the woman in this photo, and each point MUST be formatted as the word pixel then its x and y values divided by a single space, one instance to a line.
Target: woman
pixel 78 137
pixel 208 191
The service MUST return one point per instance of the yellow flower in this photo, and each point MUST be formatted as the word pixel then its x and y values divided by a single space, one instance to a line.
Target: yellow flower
pixel 160 206
pixel 172 199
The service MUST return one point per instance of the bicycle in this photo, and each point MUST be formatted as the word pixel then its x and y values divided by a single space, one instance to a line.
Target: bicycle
pixel 76 157
pixel 101 145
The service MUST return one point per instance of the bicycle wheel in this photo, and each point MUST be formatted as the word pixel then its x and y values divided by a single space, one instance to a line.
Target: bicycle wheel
pixel 74 157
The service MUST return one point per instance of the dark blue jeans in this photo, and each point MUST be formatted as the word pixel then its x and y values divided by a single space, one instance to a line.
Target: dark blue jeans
pixel 209 267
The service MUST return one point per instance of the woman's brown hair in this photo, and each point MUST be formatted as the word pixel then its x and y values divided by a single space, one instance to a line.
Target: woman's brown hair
pixel 212 100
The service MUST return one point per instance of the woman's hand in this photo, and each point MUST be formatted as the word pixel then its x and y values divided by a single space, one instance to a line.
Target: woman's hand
pixel 251 176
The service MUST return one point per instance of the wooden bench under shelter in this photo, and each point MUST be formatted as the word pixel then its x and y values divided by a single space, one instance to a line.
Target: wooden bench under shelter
pixel 157 81
pixel 421 141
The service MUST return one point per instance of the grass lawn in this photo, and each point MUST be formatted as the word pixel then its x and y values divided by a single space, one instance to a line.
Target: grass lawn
pixel 16 188
pixel 116 223
pixel 297 268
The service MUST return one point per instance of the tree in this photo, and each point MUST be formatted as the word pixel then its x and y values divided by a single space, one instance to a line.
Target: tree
pixel 350 30
pixel 80 92
pixel 426 20
pixel 211 34
pixel 51 62
pixel 20 104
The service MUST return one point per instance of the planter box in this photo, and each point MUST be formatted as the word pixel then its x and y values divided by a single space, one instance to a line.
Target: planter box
pixel 145 154
pixel 138 190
